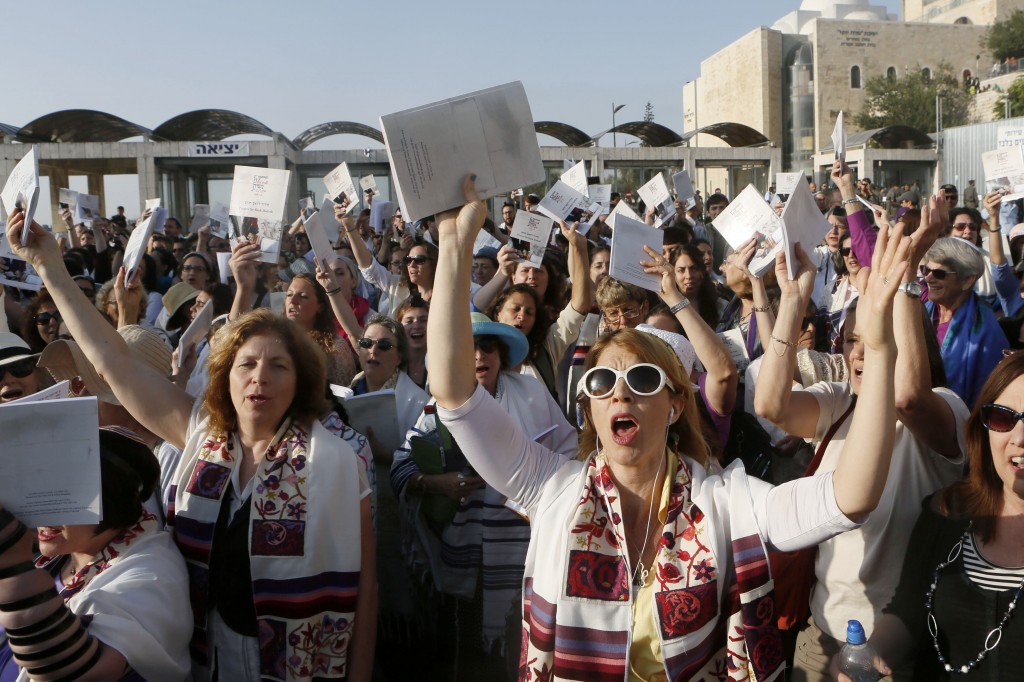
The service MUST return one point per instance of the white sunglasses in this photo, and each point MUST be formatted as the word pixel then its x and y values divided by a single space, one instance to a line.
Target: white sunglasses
pixel 643 379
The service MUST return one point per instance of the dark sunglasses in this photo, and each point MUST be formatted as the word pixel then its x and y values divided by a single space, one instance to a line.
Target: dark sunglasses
pixel 965 226
pixel 937 273
pixel 19 369
pixel 643 379
pixel 845 251
pixel 486 344
pixel 999 418
pixel 382 344
pixel 44 318
pixel 418 260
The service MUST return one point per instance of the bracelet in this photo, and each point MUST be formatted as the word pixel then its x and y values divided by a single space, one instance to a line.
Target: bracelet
pixel 684 303
pixel 761 308
pixel 998 229
pixel 788 344
pixel 854 200
pixel 332 292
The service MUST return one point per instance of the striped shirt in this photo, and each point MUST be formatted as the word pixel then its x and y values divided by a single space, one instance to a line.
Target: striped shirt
pixel 987 575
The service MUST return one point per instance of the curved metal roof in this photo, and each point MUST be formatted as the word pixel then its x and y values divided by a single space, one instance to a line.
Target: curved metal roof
pixel 650 133
pixel 8 130
pixel 735 134
pixel 80 125
pixel 318 132
pixel 891 137
pixel 564 133
pixel 211 125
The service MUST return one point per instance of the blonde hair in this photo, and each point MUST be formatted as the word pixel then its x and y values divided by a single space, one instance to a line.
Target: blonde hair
pixel 686 435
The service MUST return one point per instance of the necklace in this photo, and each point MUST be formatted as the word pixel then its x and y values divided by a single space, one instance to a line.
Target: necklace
pixel 994 636
pixel 640 571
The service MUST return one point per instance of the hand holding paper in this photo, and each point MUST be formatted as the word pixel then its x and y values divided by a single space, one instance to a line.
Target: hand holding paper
pixel 22 190
pixel 839 139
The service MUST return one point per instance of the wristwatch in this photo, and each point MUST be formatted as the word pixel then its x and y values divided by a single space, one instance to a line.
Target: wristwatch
pixel 911 288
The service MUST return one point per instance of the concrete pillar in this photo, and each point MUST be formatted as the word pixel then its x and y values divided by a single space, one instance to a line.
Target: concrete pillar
pixel 58 178
pixel 95 181
pixel 149 181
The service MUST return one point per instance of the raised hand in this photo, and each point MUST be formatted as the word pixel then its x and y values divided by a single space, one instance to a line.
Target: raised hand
pixel 888 264
pixel 464 222
pixel 244 259
pixel 659 265
pixel 803 284
pixel 325 275
pixel 843 179
pixel 934 219
pixel 40 250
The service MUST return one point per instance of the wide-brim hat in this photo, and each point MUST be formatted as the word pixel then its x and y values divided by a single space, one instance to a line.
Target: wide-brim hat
pixel 1017 231
pixel 513 339
pixel 178 295
pixel 13 348
pixel 65 360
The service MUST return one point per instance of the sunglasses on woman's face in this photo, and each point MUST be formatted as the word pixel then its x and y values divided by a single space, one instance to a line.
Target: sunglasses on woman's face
pixel 45 318
pixel 418 260
pixel 382 344
pixel 937 273
pixel 643 379
pixel 19 369
pixel 845 251
pixel 486 344
pixel 999 418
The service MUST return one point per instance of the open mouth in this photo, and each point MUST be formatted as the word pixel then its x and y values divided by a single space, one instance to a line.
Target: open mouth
pixel 1017 463
pixel 257 399
pixel 416 335
pixel 10 393
pixel 482 369
pixel 47 533
pixel 624 429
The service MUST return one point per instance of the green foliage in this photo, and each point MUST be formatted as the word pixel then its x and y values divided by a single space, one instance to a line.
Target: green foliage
pixel 910 100
pixel 1015 93
pixel 1005 38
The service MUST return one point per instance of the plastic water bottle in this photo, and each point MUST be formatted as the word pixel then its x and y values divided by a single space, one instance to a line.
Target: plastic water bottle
pixel 857 658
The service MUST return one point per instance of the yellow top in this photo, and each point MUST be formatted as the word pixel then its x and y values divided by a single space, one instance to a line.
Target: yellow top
pixel 646 663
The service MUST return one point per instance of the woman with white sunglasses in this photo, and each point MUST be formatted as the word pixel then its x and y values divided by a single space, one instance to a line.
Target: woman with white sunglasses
pixel 612 591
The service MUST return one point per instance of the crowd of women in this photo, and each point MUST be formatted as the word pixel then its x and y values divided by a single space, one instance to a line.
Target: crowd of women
pixel 250 532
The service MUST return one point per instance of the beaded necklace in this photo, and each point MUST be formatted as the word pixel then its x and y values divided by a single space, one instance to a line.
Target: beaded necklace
pixel 994 636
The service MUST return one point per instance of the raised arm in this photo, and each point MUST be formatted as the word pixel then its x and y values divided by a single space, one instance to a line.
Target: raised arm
pixel 342 310
pixel 150 397
pixel 364 258
pixel 449 331
pixel 723 377
pixel 762 307
pixel 795 412
pixel 487 293
pixel 862 237
pixel 925 413
pixel 579 269
pixel 863 467
pixel 1006 281
pixel 244 258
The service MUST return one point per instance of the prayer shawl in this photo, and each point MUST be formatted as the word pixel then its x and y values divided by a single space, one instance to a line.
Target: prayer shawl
pixel 133 596
pixel 714 596
pixel 304 545
pixel 972 347
pixel 486 540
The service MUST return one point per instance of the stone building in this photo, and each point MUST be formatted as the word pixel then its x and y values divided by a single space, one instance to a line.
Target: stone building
pixel 982 12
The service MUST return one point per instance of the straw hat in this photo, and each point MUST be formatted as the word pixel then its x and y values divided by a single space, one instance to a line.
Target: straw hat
pixel 178 295
pixel 13 348
pixel 65 360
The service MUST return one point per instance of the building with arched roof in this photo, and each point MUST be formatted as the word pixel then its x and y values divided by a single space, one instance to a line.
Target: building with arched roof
pixel 791 80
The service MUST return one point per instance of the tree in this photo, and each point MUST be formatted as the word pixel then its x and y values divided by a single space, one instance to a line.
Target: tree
pixel 1015 94
pixel 1005 38
pixel 910 100
pixel 648 113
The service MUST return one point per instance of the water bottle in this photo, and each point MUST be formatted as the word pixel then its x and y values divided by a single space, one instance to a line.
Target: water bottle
pixel 857 658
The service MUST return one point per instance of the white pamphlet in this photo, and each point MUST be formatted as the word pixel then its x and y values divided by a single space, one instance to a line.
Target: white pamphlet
pixel 136 247
pixel 484 240
pixel 839 139
pixel 431 148
pixel 568 163
pixel 803 223
pixel 576 177
pixel 196 331
pixel 259 193
pixel 340 188
pixel 562 203
pixel 600 194
pixel 60 483
pixel 67 199
pixel 22 190
pixel 152 205
pixel 342 392
pixel 745 216
pixel 277 302
pixel 58 391
pixel 734 343
pixel 376 411
pixel 535 229
pixel 330 224
pixel 628 241
pixel 270 233
pixel 220 220
pixel 785 183
pixel 655 196
pixel 368 183
pixel 223 267
pixel 684 189
pixel 200 218
pixel 1004 171
pixel 307 207
pixel 318 239
pixel 88 208
pixel 623 209
pixel 381 213
pixel 589 217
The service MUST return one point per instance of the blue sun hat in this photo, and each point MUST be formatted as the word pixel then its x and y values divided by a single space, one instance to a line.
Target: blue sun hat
pixel 513 339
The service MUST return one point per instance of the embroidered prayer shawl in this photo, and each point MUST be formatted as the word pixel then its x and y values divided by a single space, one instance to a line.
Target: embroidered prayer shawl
pixel 714 599
pixel 972 347
pixel 303 547
pixel 133 596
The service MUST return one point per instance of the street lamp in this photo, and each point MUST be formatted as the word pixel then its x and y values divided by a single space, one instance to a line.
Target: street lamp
pixel 615 109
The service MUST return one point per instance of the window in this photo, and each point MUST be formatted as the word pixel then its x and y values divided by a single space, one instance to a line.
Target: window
pixel 890 73
pixel 855 77
pixel 926 74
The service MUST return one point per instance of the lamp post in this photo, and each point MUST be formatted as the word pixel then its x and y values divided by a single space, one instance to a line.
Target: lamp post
pixel 615 109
